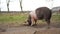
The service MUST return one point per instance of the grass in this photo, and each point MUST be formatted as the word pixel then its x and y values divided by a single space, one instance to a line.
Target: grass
pixel 18 18
pixel 12 18
pixel 55 18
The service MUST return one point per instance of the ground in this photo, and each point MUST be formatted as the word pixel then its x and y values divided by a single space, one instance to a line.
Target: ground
pixel 13 23
pixel 38 29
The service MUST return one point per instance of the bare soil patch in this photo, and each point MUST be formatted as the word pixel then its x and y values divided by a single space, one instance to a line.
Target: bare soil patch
pixel 38 29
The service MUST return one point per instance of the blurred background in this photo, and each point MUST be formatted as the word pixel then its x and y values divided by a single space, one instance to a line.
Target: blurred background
pixel 27 5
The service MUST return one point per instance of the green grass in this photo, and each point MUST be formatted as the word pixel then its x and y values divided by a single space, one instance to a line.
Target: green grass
pixel 20 18
pixel 55 18
pixel 10 18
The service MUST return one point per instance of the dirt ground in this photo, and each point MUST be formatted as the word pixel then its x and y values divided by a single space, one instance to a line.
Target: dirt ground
pixel 38 29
